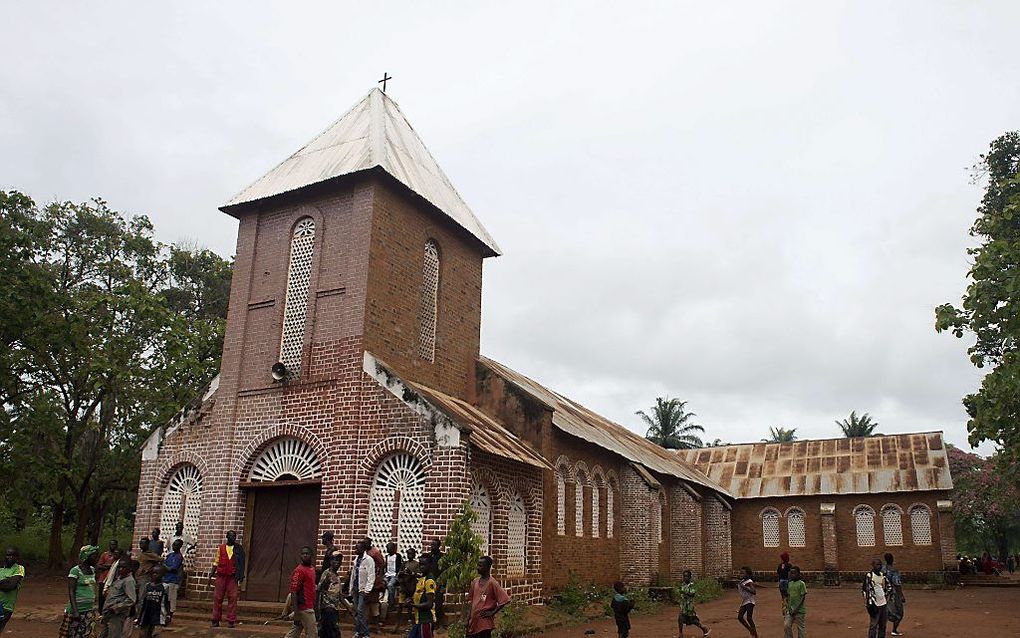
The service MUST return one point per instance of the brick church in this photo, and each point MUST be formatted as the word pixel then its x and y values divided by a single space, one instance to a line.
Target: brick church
pixel 353 398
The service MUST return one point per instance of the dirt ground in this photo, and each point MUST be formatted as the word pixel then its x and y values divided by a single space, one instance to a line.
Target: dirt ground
pixel 988 612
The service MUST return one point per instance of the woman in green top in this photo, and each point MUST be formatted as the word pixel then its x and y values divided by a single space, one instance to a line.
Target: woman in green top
pixel 80 613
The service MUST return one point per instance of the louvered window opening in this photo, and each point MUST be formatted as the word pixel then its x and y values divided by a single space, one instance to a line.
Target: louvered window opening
pixel 864 517
pixel 295 308
pixel 561 505
pixel 579 508
pixel 795 528
pixel 659 506
pixel 920 525
pixel 397 502
pixel 770 528
pixel 609 512
pixel 595 505
pixel 481 504
pixel 286 459
pixel 182 503
pixel 892 525
pixel 429 302
pixel 517 537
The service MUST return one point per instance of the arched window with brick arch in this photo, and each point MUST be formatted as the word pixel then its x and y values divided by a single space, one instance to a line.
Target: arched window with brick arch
pixel 481 504
pixel 611 487
pixel 581 481
pixel 516 536
pixel 396 508
pixel 295 307
pixel 182 501
pixel 892 524
pixel 429 302
pixel 562 475
pixel 770 527
pixel 598 483
pixel 864 520
pixel 286 459
pixel 660 509
pixel 920 524
pixel 795 532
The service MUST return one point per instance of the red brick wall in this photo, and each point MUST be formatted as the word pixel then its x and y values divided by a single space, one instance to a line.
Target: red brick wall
pixel 748 545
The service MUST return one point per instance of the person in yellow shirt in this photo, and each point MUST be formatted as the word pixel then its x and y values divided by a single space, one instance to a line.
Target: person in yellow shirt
pixel 423 603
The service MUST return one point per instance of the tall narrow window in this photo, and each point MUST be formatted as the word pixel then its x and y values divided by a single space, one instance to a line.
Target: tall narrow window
pixel 795 527
pixel 660 510
pixel 295 307
pixel 429 302
pixel 561 503
pixel 864 517
pixel 579 486
pixel 516 537
pixel 920 524
pixel 596 487
pixel 482 506
pixel 609 510
pixel 892 525
pixel 770 527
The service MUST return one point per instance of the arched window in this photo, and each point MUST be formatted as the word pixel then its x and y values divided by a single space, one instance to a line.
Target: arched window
pixel 482 506
pixel 286 459
pixel 892 525
pixel 561 503
pixel 920 524
pixel 182 502
pixel 660 508
pixel 516 536
pixel 864 518
pixel 610 520
pixel 597 483
pixel 295 307
pixel 429 302
pixel 770 527
pixel 795 527
pixel 581 481
pixel 397 501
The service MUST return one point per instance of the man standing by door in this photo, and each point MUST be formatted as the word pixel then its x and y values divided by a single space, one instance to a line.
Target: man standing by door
pixel 228 570
pixel 361 585
pixel 302 595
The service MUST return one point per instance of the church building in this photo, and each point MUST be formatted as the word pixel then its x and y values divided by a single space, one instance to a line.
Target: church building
pixel 353 398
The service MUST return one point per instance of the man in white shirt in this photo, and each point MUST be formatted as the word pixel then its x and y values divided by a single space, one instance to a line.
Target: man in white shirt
pixel 875 590
pixel 361 584
pixel 394 563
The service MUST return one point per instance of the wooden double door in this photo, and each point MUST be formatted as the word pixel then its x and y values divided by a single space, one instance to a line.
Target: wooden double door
pixel 284 519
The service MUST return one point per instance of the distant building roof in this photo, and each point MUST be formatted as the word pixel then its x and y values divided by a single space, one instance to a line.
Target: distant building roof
pixel 374 133
pixel 577 420
pixel 861 465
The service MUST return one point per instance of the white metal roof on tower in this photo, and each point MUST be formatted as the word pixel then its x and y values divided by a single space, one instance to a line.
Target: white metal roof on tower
pixel 373 133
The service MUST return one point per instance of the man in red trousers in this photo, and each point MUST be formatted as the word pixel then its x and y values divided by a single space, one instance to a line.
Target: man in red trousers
pixel 228 570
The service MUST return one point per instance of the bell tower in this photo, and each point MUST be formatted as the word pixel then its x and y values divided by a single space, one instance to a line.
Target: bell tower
pixel 357 242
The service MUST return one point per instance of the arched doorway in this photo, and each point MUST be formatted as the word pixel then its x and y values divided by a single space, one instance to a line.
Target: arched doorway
pixel 284 505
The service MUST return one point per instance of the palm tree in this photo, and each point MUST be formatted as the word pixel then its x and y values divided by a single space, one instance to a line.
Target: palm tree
pixel 858 425
pixel 669 425
pixel 781 435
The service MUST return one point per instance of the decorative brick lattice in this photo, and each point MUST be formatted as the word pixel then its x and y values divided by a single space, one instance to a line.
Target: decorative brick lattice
pixel 795 527
pixel 864 517
pixel 660 507
pixel 892 525
pixel 286 459
pixel 429 302
pixel 561 505
pixel 595 505
pixel 517 536
pixel 396 505
pixel 183 501
pixel 609 511
pixel 581 482
pixel 920 525
pixel 770 527
pixel 295 308
pixel 482 506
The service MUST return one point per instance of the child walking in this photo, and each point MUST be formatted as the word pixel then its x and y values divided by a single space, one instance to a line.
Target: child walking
pixel 155 604
pixel 745 615
pixel 621 609
pixel 687 614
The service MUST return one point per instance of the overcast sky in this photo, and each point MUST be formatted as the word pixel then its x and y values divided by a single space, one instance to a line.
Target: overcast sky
pixel 753 207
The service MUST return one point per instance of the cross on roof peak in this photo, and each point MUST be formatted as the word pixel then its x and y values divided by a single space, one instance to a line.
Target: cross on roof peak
pixel 385 78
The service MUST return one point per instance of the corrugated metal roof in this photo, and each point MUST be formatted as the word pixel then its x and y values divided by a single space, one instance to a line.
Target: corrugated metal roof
pixel 577 420
pixel 861 465
pixel 485 432
pixel 373 133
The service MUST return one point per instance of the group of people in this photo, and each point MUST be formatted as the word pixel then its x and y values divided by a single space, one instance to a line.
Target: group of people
pixel 378 585
pixel 987 564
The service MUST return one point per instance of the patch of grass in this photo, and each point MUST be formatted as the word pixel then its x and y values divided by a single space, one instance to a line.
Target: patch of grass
pixel 512 621
pixel 575 598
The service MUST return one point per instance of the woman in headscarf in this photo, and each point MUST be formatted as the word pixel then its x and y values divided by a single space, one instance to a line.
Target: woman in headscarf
pixel 80 613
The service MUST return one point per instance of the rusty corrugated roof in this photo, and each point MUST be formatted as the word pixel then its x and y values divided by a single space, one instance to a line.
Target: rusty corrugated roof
pixel 862 465
pixel 577 420
pixel 484 431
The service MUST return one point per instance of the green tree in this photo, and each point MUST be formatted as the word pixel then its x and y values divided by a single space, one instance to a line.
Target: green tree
pixel 459 565
pixel 986 502
pixel 670 426
pixel 854 426
pixel 991 304
pixel 101 356
pixel 781 435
